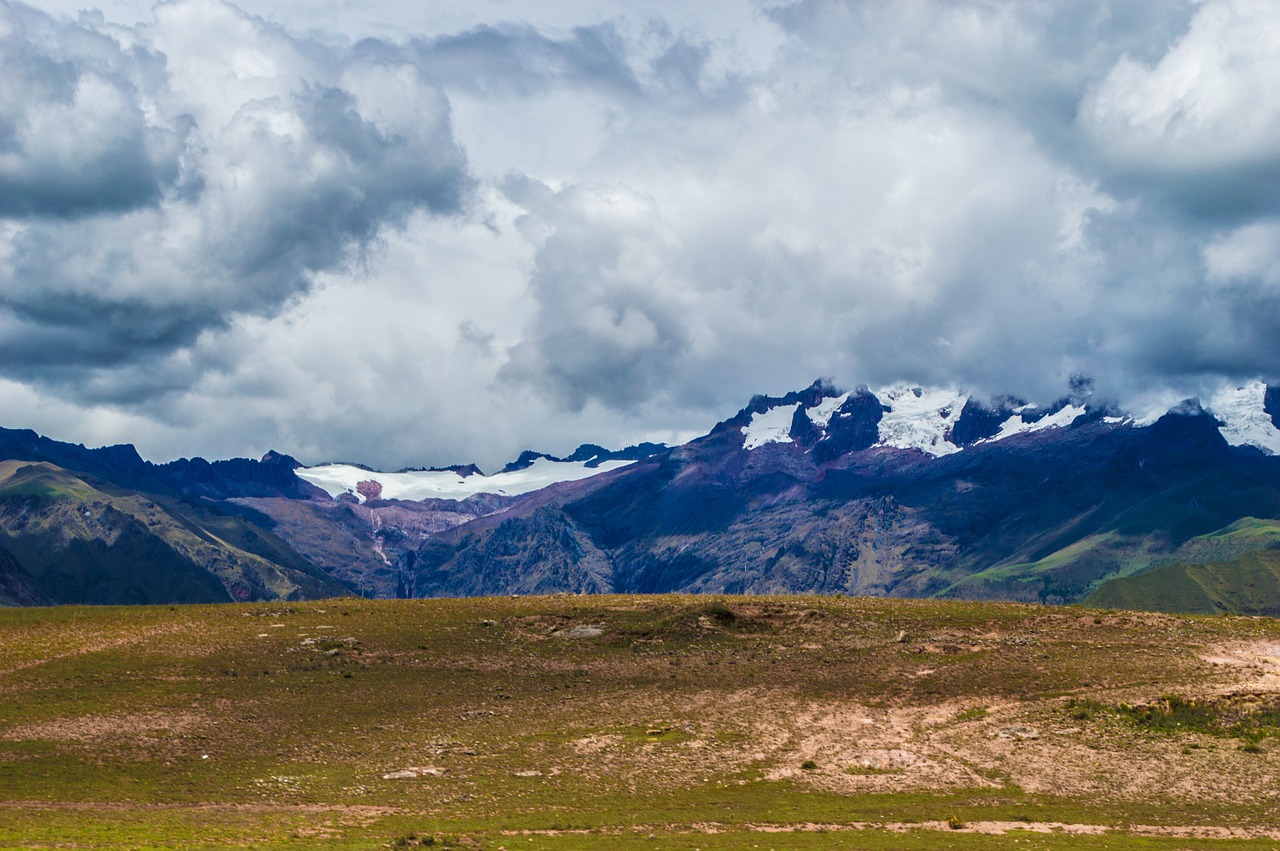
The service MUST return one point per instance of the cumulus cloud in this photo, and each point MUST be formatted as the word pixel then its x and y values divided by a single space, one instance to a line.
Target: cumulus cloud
pixel 1207 103
pixel 1200 123
pixel 932 241
pixel 407 241
pixel 162 179
pixel 1247 255
pixel 610 318
pixel 75 138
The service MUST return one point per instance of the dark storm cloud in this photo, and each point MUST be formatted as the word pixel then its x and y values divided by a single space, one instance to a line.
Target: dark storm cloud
pixel 74 139
pixel 82 329
pixel 369 178
pixel 146 208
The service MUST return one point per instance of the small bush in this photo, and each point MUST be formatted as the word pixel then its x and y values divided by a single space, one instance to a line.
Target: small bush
pixel 955 822
pixel 808 765
pixel 720 612
pixel 1173 714
pixel 1084 710
pixel 973 714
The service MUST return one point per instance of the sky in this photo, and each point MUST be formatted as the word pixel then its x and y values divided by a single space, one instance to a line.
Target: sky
pixel 429 233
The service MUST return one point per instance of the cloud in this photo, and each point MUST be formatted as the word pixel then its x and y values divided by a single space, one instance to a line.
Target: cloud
pixel 825 228
pixel 166 178
pixel 519 60
pixel 531 225
pixel 1200 123
pixel 1246 255
pixel 610 318
pixel 74 137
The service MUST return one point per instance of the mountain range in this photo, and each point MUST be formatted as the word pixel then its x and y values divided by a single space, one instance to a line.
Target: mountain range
pixel 898 491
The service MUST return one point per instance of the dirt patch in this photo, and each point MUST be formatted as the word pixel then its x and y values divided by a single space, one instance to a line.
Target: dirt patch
pixel 98 645
pixel 865 749
pixel 414 773
pixel 594 744
pixel 1247 665
pixel 96 728
pixel 986 828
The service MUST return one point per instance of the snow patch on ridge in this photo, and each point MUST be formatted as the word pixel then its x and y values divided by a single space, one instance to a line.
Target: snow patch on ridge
pixel 1061 419
pixel 337 479
pixel 1247 423
pixel 821 413
pixel 771 426
pixel 919 418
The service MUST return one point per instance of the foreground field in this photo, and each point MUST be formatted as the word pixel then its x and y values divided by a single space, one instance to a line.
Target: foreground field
pixel 669 722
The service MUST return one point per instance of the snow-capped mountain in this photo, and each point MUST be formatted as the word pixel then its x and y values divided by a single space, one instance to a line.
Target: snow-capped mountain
pixel 532 471
pixel 339 479
pixel 916 418
pixel 1249 414
pixel 899 490
pixel 941 421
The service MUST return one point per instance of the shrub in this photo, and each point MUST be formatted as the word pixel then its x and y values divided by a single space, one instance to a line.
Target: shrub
pixel 720 612
pixel 1084 710
pixel 973 714
pixel 1175 714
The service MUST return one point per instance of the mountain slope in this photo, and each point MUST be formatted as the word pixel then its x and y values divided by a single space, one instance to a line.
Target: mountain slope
pixel 1249 585
pixel 895 491
pixel 17 587
pixel 923 494
pixel 87 541
pixel 188 478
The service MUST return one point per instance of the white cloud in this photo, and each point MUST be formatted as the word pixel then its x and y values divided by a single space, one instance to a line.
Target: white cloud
pixel 512 225
pixel 1246 255
pixel 1209 103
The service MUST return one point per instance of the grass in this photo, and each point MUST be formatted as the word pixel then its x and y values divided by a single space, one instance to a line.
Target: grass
pixel 975 713
pixel 1249 585
pixel 1250 716
pixel 358 724
pixel 1084 709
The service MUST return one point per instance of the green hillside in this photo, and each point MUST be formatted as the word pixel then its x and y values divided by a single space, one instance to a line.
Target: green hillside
pixel 1246 535
pixel 1249 585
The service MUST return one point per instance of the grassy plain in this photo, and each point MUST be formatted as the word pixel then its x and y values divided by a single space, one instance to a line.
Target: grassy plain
pixel 637 722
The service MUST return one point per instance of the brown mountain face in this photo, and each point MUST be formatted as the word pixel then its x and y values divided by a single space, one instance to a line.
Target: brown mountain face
pixel 370 547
